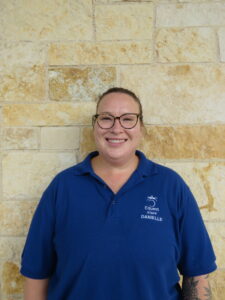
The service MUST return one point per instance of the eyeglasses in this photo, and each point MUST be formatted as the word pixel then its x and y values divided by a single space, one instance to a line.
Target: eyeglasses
pixel 107 121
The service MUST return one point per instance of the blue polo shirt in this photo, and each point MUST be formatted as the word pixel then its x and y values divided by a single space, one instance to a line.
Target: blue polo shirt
pixel 96 245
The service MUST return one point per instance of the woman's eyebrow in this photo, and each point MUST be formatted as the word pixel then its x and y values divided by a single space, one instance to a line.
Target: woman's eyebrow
pixel 107 112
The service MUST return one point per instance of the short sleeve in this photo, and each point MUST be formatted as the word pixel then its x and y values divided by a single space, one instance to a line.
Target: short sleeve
pixel 196 256
pixel 38 257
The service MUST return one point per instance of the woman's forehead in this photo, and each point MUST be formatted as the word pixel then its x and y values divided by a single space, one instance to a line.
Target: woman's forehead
pixel 118 101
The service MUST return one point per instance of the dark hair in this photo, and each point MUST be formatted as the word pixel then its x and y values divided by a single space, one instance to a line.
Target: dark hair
pixel 122 91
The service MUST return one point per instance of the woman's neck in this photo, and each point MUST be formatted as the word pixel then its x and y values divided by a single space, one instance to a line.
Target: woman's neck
pixel 114 175
pixel 100 164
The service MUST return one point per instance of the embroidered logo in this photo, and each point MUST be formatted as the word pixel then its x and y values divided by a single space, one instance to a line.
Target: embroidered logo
pixel 151 210
pixel 152 200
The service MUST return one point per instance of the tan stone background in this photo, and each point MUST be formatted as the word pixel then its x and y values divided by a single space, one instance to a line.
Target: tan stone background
pixel 57 56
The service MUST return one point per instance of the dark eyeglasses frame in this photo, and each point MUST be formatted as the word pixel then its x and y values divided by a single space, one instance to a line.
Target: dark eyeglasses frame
pixel 95 118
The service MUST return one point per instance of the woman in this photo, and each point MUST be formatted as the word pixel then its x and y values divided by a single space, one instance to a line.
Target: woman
pixel 117 226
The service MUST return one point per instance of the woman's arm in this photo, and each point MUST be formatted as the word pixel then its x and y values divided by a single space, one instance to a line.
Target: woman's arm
pixel 35 289
pixel 196 288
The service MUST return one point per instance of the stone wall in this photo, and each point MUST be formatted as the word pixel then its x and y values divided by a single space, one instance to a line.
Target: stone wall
pixel 57 56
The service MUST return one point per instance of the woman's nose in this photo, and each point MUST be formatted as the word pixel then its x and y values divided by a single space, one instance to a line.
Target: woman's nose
pixel 117 127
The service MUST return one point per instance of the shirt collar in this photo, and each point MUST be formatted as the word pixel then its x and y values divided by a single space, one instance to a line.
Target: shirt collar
pixel 85 166
pixel 145 167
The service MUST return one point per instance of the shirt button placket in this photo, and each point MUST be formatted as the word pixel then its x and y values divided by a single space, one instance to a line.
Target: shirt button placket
pixel 114 207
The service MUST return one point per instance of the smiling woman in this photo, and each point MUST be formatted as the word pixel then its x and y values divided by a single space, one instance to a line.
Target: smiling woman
pixel 117 225
pixel 115 142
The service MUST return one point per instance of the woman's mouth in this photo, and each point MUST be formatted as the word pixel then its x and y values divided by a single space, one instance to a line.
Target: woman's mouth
pixel 115 141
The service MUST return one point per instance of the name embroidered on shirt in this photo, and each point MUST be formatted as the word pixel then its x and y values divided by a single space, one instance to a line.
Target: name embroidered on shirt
pixel 151 218
pixel 151 211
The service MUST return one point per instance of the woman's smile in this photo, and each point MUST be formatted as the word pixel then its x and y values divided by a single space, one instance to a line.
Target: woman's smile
pixel 116 141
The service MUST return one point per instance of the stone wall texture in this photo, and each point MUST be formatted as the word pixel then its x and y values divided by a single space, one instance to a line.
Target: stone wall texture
pixel 56 57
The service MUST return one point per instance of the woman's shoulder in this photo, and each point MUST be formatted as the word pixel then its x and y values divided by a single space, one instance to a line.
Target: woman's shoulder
pixel 65 176
pixel 163 170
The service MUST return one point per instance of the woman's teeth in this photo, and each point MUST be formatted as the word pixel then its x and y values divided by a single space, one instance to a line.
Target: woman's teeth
pixel 115 141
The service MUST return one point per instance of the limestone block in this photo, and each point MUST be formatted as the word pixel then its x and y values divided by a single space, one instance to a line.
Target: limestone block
pixel 111 1
pixel 190 14
pixel 196 1
pixel 207 182
pixel 221 34
pixel 21 54
pixel 20 138
pixel 87 143
pixel 11 248
pixel 124 21
pixel 217 235
pixel 32 172
pixel 184 142
pixel 23 83
pixel 80 84
pixel 116 52
pixel 22 71
pixel 53 114
pixel 186 45
pixel 178 93
pixel 13 297
pixel 180 142
pixel 60 138
pixel 15 217
pixel 12 281
pixel 156 1
pixel 217 280
pixel 46 20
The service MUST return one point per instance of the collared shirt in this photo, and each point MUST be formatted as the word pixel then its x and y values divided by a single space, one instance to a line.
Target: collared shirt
pixel 94 244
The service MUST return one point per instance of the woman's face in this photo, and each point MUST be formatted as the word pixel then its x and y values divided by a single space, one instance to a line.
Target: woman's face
pixel 117 144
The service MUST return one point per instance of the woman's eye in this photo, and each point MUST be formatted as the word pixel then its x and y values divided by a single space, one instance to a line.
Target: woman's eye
pixel 106 119
pixel 127 119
